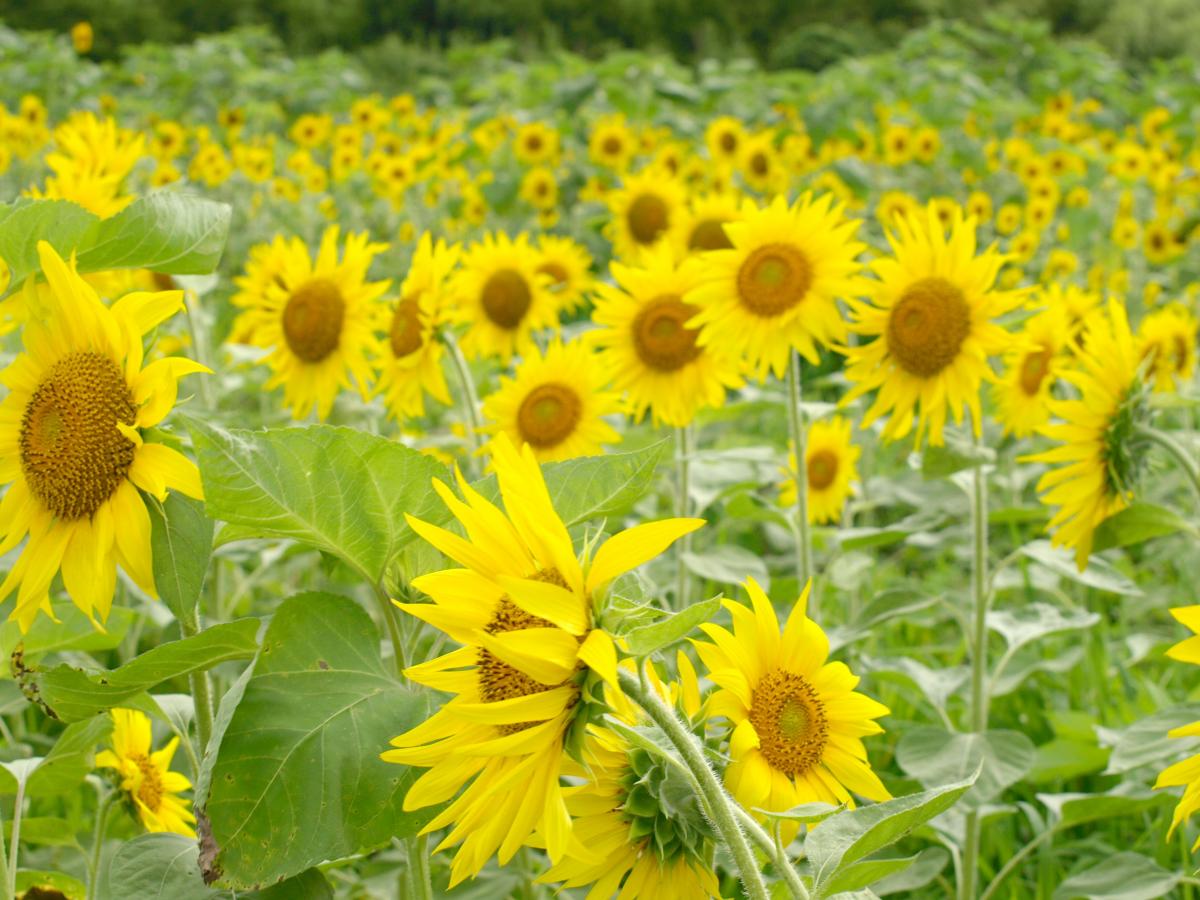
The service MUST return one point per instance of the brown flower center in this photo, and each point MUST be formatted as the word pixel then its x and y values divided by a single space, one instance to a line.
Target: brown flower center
pixel 647 218
pixel 556 271
pixel 611 146
pixel 789 718
pixel 506 298
pixel 312 320
pixel 549 415
pixel 773 279
pixel 1034 369
pixel 660 334
pixel 927 326
pixel 72 454
pixel 709 234
pixel 822 469
pixel 405 333
pixel 150 791
pixel 728 142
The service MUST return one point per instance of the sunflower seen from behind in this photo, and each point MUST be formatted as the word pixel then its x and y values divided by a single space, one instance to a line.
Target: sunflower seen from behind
pixel 71 442
pixel 831 467
pixel 928 328
pixel 776 290
pixel 648 346
pixel 524 609
pixel 145 776
pixel 556 403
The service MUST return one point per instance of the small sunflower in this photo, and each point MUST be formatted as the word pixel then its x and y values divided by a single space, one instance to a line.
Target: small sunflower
pixel 72 445
pixel 1186 773
pixel 146 776
pixel 797 722
pixel 1095 435
pixel 760 164
pixel 702 226
pixel 556 403
pixel 536 143
pixel 611 143
pixel 831 467
pixel 648 347
pixel 1033 366
pixel 931 329
pixel 92 158
pixel 502 297
pixel 317 317
pixel 524 609
pixel 776 289
pixel 724 136
pixel 1168 337
pixel 569 268
pixel 411 364
pixel 644 209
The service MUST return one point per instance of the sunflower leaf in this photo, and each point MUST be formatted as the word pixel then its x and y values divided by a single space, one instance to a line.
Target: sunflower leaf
pixel 645 640
pixel 181 537
pixel 25 222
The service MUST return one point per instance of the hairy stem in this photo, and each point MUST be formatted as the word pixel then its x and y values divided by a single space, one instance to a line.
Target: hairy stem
pixel 804 565
pixel 683 452
pixel 979 679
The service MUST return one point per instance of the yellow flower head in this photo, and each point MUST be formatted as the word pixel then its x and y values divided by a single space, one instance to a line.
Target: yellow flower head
pixel 724 136
pixel 701 226
pixel 524 610
pixel 568 265
pixel 81 36
pixel 1032 367
pixel 536 143
pixel 1168 336
pixel 146 777
pixel 611 144
pixel 91 160
pixel 644 209
pixel 831 466
pixel 71 445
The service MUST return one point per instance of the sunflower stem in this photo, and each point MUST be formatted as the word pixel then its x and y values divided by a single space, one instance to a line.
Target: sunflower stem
pixel 1182 458
pixel 15 844
pixel 720 804
pixel 424 879
pixel 201 351
pixel 804 566
pixel 979 679
pixel 469 398
pixel 391 619
pixel 775 850
pixel 189 625
pixel 683 449
pixel 102 812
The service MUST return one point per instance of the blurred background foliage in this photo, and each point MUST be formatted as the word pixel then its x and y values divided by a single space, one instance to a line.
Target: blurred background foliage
pixel 808 34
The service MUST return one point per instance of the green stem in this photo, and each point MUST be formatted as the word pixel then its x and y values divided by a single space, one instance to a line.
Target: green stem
pixel 201 351
pixel 189 625
pixel 720 804
pixel 15 844
pixel 804 565
pixel 1178 453
pixel 1013 862
pixel 391 619
pixel 979 679
pixel 424 879
pixel 467 386
pixel 775 850
pixel 102 811
pixel 683 547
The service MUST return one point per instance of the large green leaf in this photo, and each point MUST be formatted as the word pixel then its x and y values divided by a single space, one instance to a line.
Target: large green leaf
pixel 297 777
pixel 66 765
pixel 1137 523
pixel 932 754
pixel 25 222
pixel 340 490
pixel 71 694
pixel 181 537
pixel 72 631
pixel 167 231
pixel 649 638
pixel 157 867
pixel 1025 624
pixel 1125 876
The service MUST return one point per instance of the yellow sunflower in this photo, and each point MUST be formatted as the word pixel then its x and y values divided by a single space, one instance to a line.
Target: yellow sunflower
pixel 91 160
pixel 1076 303
pixel 524 609
pixel 649 350
pixel 644 209
pixel 1099 464
pixel 930 325
pixel 146 777
pixel 569 267
pixel 797 722
pixel 724 136
pixel 556 403
pixel 1032 367
pixel 1186 773
pixel 776 289
pixel 318 318
pixel 1168 337
pixel 702 226
pixel 831 467
pixel 502 297
pixel 611 144
pixel 411 364
pixel 760 164
pixel 536 143
pixel 265 264
pixel 71 443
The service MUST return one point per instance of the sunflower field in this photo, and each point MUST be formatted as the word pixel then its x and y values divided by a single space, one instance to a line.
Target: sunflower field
pixel 497 474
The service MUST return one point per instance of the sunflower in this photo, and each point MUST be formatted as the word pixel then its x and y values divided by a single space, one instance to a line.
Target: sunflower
pixel 1033 366
pixel 760 164
pixel 1187 772
pixel 897 144
pixel 1168 337
pixel 894 206
pixel 797 723
pixel 931 323
pixel 611 144
pixel 78 399
pixel 569 268
pixel 702 226
pixel 647 346
pixel 411 364
pixel 536 143
pixel 318 319
pixel 1099 462
pixel 499 292
pixel 524 611
pixel 1076 304
pixel 776 289
pixel 643 210
pixel 539 188
pixel 556 403
pixel 724 136
pixel 92 159
pixel 831 465
pixel 146 777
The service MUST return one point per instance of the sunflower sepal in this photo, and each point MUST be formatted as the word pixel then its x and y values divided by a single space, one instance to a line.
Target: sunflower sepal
pixel 590 711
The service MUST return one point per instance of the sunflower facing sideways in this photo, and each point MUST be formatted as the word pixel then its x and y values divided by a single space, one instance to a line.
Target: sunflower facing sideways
pixel 71 442
pixel 648 348
pixel 317 317
pixel 411 364
pixel 524 610
pixel 929 327
pixel 1033 366
pixel 776 289
pixel 797 722
pixel 831 469
pixel 146 776
pixel 556 403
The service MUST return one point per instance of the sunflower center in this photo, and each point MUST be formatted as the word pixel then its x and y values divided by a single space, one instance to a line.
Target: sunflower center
pixel 611 146
pixel 822 469
pixel 647 218
pixel 928 326
pixel 1034 369
pixel 729 142
pixel 312 320
pixel 709 234
pixel 759 164
pixel 497 679
pixel 789 717
pixel 506 298
pixel 549 414
pixel 558 274
pixel 1181 353
pixel 72 454
pixel 150 791
pixel 661 336
pixel 773 279
pixel 405 333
